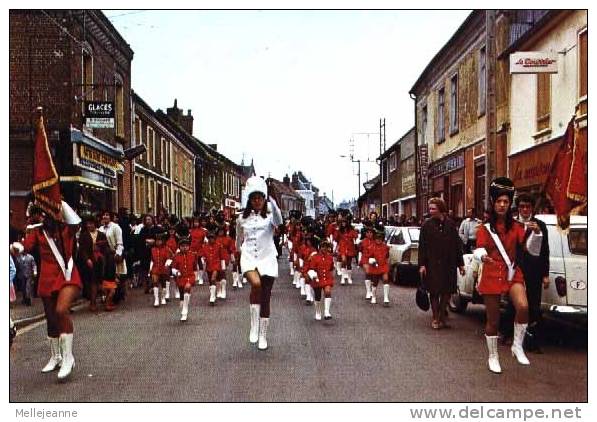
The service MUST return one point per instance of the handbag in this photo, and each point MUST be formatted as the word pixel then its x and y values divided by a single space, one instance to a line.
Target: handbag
pixel 422 297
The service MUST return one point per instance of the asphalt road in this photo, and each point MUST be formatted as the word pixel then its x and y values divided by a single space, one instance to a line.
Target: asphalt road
pixel 366 353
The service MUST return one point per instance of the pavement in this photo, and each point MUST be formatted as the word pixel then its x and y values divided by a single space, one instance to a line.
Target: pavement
pixel 366 353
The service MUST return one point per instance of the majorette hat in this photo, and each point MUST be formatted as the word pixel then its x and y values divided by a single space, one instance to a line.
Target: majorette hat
pixel 254 184
pixel 501 186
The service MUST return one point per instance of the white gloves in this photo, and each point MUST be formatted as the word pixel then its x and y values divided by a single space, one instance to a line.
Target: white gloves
pixel 372 261
pixel 168 262
pixel 175 272
pixel 312 274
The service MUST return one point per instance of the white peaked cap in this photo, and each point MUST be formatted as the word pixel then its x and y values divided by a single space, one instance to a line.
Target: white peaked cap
pixel 254 184
pixel 69 216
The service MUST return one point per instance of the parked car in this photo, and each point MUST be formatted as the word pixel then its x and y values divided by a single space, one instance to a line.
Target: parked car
pixel 566 296
pixel 404 254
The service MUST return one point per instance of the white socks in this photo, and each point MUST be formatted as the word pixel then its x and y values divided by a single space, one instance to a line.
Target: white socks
pixel 386 294
pixel 327 305
pixel 368 289
pixel 212 294
pixel 373 294
pixel 318 310
pixel 156 297
pixel 185 306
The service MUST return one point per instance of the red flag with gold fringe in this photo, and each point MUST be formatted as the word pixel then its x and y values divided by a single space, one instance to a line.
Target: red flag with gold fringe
pixel 46 185
pixel 566 185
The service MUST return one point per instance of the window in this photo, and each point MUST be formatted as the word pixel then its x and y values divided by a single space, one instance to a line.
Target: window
pixel 482 83
pixel 441 135
pixel 87 74
pixel 162 154
pixel 454 104
pixel 151 197
pixel 583 69
pixel 393 162
pixel 578 241
pixel 149 141
pixel 138 133
pixel 384 171
pixel 119 106
pixel 384 211
pixel 543 101
pixel 424 126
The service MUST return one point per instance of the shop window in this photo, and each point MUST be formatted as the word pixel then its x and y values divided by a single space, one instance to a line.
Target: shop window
pixel 482 81
pixel 543 101
pixel 393 162
pixel 454 105
pixel 441 134
pixel 119 106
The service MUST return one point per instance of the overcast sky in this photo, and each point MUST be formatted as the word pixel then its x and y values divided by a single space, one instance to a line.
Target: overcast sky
pixel 288 89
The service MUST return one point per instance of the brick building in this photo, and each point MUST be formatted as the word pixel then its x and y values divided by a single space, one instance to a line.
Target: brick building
pixel 58 60
pixel 288 200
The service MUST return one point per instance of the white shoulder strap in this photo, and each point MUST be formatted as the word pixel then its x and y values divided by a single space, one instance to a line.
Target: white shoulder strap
pixel 500 247
pixel 67 271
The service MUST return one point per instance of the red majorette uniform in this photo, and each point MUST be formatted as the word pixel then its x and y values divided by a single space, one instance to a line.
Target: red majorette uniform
pixel 305 253
pixel 52 277
pixel 297 241
pixel 348 249
pixel 160 272
pixel 197 239
pixel 290 227
pixel 184 263
pixel 172 245
pixel 380 252
pixel 330 231
pixel 229 246
pixel 323 265
pixel 215 258
pixel 364 247
pixel 494 277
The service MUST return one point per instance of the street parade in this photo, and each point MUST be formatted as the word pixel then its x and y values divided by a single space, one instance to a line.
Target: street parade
pixel 147 265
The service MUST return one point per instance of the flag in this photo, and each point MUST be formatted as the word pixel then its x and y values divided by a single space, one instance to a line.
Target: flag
pixel 566 185
pixel 46 185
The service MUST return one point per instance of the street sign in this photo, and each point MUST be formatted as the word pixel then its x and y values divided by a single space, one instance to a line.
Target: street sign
pixel 99 114
pixel 534 62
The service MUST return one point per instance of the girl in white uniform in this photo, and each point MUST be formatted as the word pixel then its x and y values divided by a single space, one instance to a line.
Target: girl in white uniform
pixel 258 261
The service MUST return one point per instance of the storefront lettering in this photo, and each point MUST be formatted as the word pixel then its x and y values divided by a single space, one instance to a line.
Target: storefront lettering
pixel 447 166
pixel 89 154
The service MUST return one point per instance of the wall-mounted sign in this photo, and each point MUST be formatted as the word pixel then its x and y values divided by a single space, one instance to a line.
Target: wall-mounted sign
pixel 96 161
pixel 534 62
pixel 99 114
pixel 423 168
pixel 446 166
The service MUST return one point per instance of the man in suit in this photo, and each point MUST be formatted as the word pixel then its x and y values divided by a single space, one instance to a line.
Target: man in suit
pixel 535 270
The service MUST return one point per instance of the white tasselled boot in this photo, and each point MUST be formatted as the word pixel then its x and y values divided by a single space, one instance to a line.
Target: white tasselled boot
pixel 386 295
pixel 338 268
pixel 318 310
pixel 327 302
pixel 493 361
pixel 222 293
pixel 212 294
pixel 68 360
pixel 517 340
pixel 263 323
pixel 156 297
pixel 254 331
pixel 55 356
pixel 309 292
pixel 302 286
pixel 368 289
pixel 185 307
pixel 167 296
pixel 200 277
pixel 349 276
pixel 164 293
pixel 343 276
pixel 373 294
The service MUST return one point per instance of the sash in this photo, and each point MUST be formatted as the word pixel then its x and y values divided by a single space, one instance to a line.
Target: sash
pixel 66 270
pixel 505 257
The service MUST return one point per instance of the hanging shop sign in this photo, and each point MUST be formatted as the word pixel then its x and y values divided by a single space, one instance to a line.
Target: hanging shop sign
pixel 534 62
pixel 99 114
pixel 96 161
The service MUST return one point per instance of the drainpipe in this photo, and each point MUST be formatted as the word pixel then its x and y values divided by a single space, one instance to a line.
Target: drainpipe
pixel 417 171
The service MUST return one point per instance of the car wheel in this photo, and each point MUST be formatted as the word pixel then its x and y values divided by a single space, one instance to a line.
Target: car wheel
pixel 458 303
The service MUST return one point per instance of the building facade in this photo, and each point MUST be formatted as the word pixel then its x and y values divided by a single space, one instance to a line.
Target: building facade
pixel 61 60
pixel 288 200
pixel 307 190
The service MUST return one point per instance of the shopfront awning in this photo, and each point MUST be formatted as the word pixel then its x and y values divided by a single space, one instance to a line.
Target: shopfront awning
pixel 86 181
pixel 76 136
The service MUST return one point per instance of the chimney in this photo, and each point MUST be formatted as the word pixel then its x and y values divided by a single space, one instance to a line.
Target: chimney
pixel 176 114
pixel 286 180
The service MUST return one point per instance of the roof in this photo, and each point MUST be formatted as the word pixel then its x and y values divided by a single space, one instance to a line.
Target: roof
pixel 282 187
pixel 395 144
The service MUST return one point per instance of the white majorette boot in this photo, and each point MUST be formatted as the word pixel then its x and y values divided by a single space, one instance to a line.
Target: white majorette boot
pixel 327 302
pixel 517 340
pixel 386 295
pixel 349 276
pixel 156 297
pixel 234 280
pixel 309 292
pixel 338 268
pixel 263 323
pixel 254 331
pixel 164 293
pixel 318 310
pixel 185 307
pixel 494 360
pixel 55 357
pixel 167 295
pixel 291 269
pixel 200 277
pixel 302 286
pixel 222 292
pixel 368 289
pixel 343 276
pixel 212 294
pixel 240 283
pixel 68 360
pixel 373 294
pixel 176 291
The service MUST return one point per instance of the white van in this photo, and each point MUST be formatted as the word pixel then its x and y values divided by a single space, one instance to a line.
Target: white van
pixel 567 293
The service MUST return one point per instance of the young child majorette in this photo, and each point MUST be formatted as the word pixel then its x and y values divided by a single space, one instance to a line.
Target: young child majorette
pixel 331 233
pixel 237 279
pixel 376 267
pixel 291 228
pixel 183 268
pixel 172 244
pixel 215 265
pixel 198 234
pixel 321 274
pixel 229 247
pixel 364 248
pixel 306 252
pixel 160 258
pixel 347 251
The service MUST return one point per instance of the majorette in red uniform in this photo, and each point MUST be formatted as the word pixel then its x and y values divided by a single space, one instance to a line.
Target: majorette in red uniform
pixel 364 247
pixel 320 269
pixel 172 244
pixel 375 259
pixel 229 247
pixel 501 274
pixel 161 256
pixel 305 253
pixel 183 268
pixel 347 250
pixel 198 234
pixel 215 264
pixel 297 241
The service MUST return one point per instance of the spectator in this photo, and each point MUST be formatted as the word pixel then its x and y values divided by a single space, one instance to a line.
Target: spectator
pixel 26 271
pixel 468 231
pixel 113 233
pixel 89 259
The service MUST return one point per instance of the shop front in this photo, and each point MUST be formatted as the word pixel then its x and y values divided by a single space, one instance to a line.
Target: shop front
pixel 90 184
pixel 447 182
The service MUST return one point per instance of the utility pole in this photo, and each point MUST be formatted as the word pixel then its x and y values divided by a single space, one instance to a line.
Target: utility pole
pixel 490 105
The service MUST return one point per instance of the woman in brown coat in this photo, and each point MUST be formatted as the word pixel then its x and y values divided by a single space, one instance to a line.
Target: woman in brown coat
pixel 440 254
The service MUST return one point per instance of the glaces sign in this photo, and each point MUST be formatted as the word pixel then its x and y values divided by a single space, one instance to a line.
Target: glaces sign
pixel 99 114
pixel 533 62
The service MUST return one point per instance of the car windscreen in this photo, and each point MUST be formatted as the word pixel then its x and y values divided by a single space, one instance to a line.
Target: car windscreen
pixel 413 233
